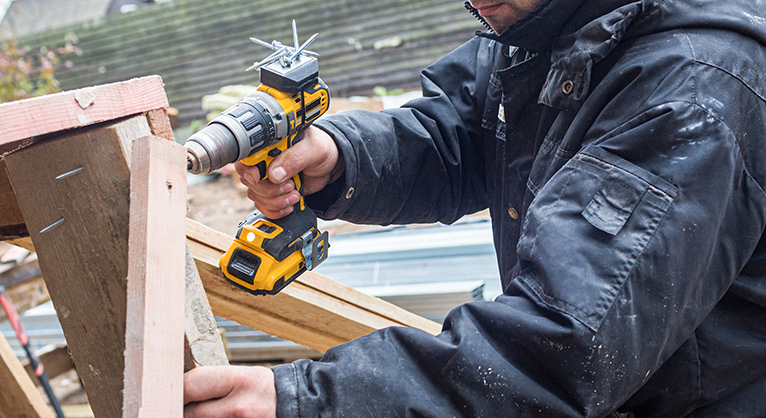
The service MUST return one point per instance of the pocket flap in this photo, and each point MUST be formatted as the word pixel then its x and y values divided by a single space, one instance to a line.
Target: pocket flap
pixel 613 204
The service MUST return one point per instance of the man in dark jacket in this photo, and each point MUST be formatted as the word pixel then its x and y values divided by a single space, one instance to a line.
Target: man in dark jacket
pixel 620 146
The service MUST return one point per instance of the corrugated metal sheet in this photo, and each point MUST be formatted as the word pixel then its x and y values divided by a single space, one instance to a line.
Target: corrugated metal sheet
pixel 198 46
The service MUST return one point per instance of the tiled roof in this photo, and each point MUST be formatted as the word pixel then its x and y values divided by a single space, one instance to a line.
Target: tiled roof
pixel 197 46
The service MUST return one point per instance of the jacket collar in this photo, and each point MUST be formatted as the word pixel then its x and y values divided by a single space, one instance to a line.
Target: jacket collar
pixel 573 57
pixel 576 34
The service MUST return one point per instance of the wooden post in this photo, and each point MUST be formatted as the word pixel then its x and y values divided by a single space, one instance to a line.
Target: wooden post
pixel 19 397
pixel 204 345
pixel 154 337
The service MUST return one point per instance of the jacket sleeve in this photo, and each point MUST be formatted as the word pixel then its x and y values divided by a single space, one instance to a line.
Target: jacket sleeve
pixel 424 160
pixel 625 251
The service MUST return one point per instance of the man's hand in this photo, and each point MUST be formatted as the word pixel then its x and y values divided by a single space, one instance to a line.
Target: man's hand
pixel 230 391
pixel 316 155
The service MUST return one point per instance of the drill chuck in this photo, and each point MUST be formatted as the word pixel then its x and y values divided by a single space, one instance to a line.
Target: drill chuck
pixel 254 123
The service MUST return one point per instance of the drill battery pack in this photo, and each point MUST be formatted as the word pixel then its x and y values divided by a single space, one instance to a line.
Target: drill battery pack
pixel 266 255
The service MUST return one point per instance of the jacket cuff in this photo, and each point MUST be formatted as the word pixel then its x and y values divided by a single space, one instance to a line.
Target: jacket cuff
pixel 286 382
pixel 332 201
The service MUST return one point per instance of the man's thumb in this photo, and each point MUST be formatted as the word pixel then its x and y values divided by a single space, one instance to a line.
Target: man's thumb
pixel 289 163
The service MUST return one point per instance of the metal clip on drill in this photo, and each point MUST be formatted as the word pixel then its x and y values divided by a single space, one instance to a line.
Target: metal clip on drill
pixel 267 254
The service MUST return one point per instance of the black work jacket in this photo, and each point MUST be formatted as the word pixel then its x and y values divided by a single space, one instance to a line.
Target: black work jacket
pixel 624 165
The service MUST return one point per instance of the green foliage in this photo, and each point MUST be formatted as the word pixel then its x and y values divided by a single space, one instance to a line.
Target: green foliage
pixel 27 73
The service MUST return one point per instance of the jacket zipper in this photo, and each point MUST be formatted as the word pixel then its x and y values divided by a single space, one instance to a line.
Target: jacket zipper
pixel 475 13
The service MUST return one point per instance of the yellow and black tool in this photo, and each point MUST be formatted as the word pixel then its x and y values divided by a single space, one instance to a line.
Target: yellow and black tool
pixel 267 254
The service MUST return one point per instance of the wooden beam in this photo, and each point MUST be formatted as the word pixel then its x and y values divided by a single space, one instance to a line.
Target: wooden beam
pixel 24 120
pixel 155 307
pixel 314 310
pixel 56 360
pixel 19 397
pixel 204 344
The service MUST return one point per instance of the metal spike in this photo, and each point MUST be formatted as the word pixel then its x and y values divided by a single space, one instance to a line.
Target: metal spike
pixel 295 34
pixel 262 43
pixel 302 47
pixel 268 60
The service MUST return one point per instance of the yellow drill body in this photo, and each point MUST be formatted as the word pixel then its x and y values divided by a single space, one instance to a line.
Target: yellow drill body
pixel 267 254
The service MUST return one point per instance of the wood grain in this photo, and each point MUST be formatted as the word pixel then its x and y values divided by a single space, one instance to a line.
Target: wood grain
pixel 26 119
pixel 204 344
pixel 154 348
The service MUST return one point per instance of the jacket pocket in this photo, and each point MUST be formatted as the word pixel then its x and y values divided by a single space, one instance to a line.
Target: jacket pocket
pixel 585 230
pixel 613 204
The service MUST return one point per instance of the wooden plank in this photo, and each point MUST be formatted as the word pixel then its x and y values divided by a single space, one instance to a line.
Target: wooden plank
pixel 314 310
pixel 19 397
pixel 56 360
pixel 25 119
pixel 156 257
pixel 159 123
pixel 77 411
pixel 204 344
pixel 74 194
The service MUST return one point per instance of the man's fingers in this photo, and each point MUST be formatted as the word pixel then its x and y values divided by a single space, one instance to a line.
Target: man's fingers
pixel 315 155
pixel 274 208
pixel 229 391
pixel 248 174
pixel 205 383
pixel 269 190
pixel 202 410
pixel 289 163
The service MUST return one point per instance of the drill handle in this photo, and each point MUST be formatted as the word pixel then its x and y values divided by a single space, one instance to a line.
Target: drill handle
pixel 262 160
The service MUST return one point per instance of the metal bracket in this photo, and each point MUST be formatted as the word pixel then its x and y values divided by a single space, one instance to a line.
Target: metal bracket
pixel 314 249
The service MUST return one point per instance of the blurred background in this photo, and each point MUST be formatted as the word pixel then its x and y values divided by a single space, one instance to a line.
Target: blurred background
pixel 199 46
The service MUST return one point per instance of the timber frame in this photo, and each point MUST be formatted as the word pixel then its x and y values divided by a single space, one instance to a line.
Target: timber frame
pixel 93 181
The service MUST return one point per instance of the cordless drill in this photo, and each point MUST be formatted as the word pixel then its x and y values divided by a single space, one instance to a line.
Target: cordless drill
pixel 267 254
